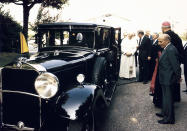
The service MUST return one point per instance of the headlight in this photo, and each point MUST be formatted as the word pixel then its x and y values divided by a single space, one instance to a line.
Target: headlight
pixel 80 78
pixel 46 85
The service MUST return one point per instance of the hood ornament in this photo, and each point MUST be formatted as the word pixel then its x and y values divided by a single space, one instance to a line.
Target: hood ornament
pixel 20 61
pixel 56 52
pixel 20 125
pixel 19 64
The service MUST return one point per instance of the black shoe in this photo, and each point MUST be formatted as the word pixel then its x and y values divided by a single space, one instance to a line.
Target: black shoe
pixel 166 122
pixel 184 91
pixel 159 115
pixel 151 94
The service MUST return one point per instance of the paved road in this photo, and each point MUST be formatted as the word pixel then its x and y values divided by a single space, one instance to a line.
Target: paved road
pixel 132 110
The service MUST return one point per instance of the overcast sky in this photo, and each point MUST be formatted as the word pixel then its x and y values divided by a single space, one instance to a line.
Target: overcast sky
pixel 145 14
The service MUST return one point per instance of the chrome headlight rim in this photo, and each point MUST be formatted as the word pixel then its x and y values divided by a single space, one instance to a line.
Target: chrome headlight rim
pixel 80 78
pixel 48 77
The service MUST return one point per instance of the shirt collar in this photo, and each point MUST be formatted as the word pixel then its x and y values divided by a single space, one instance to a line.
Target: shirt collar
pixel 167 46
pixel 185 46
pixel 155 41
pixel 142 37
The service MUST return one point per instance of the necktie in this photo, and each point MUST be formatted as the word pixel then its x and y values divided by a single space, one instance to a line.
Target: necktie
pixel 185 46
pixel 140 41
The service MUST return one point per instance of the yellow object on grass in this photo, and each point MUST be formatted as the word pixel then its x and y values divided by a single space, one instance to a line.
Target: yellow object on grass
pixel 23 42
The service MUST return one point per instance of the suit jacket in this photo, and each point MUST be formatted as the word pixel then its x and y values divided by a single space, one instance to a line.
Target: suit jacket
pixel 185 60
pixel 169 66
pixel 145 48
pixel 154 50
pixel 177 42
pixel 185 54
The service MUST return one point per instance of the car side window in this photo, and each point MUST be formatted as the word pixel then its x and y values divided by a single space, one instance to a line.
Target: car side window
pixel 45 39
pixel 49 38
pixel 65 39
pixel 117 36
pixel 103 38
pixel 54 38
pixel 81 38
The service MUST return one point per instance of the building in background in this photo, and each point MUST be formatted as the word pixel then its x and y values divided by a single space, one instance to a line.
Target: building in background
pixel 114 20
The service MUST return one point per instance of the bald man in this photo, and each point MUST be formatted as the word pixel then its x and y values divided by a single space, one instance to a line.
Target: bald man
pixel 177 42
pixel 169 73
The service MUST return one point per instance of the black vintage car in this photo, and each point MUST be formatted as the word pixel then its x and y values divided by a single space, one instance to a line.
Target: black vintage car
pixel 62 87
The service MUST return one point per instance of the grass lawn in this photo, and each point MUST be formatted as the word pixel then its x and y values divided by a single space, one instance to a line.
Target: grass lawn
pixel 6 58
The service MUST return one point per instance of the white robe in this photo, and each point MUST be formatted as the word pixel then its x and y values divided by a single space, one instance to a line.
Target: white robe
pixel 127 66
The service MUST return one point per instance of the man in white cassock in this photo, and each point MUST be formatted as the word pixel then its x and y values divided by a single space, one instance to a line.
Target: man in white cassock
pixel 127 66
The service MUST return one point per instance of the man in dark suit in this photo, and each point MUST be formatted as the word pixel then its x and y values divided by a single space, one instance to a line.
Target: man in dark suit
pixel 157 95
pixel 148 34
pixel 177 42
pixel 1 38
pixel 154 53
pixel 185 65
pixel 169 73
pixel 144 57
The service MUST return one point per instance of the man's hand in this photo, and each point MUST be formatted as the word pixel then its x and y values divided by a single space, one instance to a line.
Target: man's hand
pixel 180 80
pixel 128 54
pixel 149 58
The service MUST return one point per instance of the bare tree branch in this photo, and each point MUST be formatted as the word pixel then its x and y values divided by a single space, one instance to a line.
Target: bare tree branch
pixel 18 3
pixel 28 4
pixel 32 4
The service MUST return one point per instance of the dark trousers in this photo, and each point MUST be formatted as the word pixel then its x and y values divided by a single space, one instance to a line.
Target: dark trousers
pixel 157 98
pixel 143 69
pixel 151 68
pixel 177 93
pixel 185 73
pixel 136 58
pixel 168 103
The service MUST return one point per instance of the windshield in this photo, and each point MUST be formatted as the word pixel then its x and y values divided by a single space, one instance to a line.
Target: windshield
pixel 48 38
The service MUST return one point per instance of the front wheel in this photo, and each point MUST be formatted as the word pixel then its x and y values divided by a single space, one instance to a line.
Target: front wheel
pixel 88 124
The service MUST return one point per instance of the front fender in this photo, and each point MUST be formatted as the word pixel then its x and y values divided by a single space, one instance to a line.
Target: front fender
pixel 75 103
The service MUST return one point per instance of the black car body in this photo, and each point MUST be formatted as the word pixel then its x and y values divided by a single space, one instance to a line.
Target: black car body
pixel 60 88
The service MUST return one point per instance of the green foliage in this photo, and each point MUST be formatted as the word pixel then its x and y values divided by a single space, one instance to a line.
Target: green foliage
pixel 28 4
pixel 45 3
pixel 44 17
pixel 9 31
pixel 184 36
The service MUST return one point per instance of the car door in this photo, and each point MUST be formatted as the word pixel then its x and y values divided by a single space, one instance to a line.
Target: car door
pixel 117 34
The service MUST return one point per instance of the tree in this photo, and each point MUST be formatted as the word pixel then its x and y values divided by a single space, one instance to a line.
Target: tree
pixel 28 4
pixel 9 30
pixel 44 17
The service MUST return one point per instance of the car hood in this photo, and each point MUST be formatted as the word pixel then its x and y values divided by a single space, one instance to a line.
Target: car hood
pixel 60 58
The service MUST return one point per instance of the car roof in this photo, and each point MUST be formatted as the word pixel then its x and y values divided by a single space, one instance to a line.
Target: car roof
pixel 73 25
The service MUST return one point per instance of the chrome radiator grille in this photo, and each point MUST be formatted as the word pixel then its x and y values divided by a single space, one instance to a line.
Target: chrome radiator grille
pixel 19 80
pixel 20 107
pixel 19 101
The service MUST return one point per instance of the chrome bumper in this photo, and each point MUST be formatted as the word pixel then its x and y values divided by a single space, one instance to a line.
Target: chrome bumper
pixel 19 127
